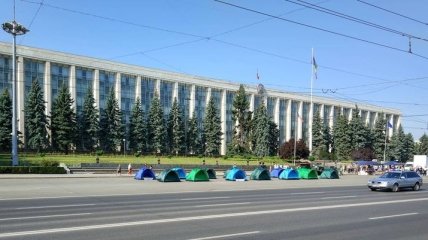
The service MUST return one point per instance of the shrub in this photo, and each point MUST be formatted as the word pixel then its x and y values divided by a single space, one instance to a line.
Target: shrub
pixel 34 170
pixel 49 163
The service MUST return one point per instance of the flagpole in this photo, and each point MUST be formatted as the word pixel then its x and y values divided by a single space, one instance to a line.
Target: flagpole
pixel 295 137
pixel 311 115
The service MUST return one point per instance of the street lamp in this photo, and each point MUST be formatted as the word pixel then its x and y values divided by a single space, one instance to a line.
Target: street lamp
pixel 15 29
pixel 124 147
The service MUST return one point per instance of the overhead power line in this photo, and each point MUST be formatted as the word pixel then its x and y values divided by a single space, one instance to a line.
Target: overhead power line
pixel 321 29
pixel 32 20
pixel 398 14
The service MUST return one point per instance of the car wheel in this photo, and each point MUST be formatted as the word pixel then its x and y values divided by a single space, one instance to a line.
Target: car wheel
pixel 395 188
pixel 416 187
pixel 373 189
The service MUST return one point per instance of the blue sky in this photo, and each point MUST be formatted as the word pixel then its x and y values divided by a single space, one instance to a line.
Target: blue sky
pixel 211 39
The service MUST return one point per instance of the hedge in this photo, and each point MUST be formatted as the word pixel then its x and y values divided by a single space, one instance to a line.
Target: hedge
pixel 32 170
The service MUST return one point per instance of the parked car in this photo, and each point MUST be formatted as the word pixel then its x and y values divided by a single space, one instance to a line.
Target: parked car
pixel 396 180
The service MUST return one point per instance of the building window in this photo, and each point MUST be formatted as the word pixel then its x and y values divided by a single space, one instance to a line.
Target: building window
pixel 282 120
pixel 216 96
pixel 5 73
pixel 271 107
pixel 84 80
pixel 33 70
pixel 166 90
pixel 107 81
pixel 200 104
pixel 147 93
pixel 326 118
pixel 127 95
pixel 60 76
pixel 294 109
pixel 230 96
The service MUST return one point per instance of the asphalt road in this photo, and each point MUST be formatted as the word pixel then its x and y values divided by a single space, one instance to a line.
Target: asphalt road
pixel 35 209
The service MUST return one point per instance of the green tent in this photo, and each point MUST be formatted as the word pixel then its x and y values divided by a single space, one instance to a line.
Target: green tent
pixel 168 175
pixel 197 175
pixel 260 174
pixel 211 173
pixel 306 173
pixel 329 173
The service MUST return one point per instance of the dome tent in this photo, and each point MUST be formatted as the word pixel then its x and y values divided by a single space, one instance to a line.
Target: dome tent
pixel 236 173
pixel 145 173
pixel 211 173
pixel 168 175
pixel 276 172
pixel 289 174
pixel 197 175
pixel 307 173
pixel 329 173
pixel 180 171
pixel 260 174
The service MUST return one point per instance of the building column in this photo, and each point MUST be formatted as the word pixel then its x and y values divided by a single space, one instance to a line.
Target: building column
pixel 351 112
pixel 251 102
pixel 331 117
pixel 157 86
pixel 299 121
pixel 47 89
pixel 96 88
pixel 208 96
pixel 276 112
pixel 223 122
pixel 118 90
pixel 288 121
pixel 391 121
pixel 367 121
pixel 72 84
pixel 321 110
pixel 138 88
pixel 20 95
pixel 192 100
pixel 398 123
pixel 175 92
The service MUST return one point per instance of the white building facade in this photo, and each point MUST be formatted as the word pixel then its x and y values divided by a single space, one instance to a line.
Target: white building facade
pixel 292 112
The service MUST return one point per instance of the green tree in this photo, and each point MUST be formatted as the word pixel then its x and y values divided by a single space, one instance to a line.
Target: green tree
pixel 89 124
pixel 212 129
pixel 176 129
pixel 409 147
pixel 35 119
pixel 192 135
pixel 137 128
pixel 358 132
pixel 63 121
pixel 379 134
pixel 342 139
pixel 5 121
pixel 327 147
pixel 400 148
pixel 157 130
pixel 317 136
pixel 241 116
pixel 273 138
pixel 422 146
pixel 111 132
pixel 261 131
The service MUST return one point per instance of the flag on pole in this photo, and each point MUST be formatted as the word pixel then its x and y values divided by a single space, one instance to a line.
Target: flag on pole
pixel 389 125
pixel 258 77
pixel 315 67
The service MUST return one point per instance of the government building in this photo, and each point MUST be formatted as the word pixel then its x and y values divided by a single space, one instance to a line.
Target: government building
pixel 52 69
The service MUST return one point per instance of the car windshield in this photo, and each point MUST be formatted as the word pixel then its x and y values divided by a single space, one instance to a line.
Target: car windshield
pixel 391 175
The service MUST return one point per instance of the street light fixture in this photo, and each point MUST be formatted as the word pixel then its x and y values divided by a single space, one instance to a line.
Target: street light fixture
pixel 15 29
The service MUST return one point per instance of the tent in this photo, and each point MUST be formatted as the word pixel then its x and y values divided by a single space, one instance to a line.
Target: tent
pixel 168 175
pixel 260 174
pixel 276 172
pixel 235 173
pixel 367 163
pixel 393 163
pixel 329 173
pixel 211 173
pixel 306 173
pixel 289 174
pixel 197 175
pixel 226 172
pixel 180 171
pixel 145 173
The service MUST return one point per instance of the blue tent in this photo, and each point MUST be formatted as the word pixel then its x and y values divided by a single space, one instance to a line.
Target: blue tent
pixel 289 174
pixel 366 163
pixel 235 173
pixel 145 173
pixel 180 171
pixel 276 172
pixel 393 163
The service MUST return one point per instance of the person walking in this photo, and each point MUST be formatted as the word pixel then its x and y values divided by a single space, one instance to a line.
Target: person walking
pixel 119 170
pixel 129 169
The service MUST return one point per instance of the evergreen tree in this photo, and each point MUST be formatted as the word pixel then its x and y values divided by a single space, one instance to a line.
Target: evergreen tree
pixel 5 121
pixel 327 143
pixel 212 129
pixel 176 129
pixel 241 116
pixel 192 135
pixel 261 131
pixel 409 147
pixel 358 132
pixel 317 136
pixel 35 119
pixel 156 123
pixel 273 138
pixel 111 132
pixel 89 124
pixel 137 128
pixel 397 147
pixel 63 121
pixel 342 139
pixel 379 134
pixel 422 147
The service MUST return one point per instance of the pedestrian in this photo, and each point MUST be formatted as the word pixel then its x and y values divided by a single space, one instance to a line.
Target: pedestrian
pixel 119 170
pixel 129 169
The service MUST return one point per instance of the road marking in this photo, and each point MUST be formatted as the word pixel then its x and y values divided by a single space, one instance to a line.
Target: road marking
pixel 221 204
pixel 393 216
pixel 199 218
pixel 56 206
pixel 208 198
pixel 339 197
pixel 46 216
pixel 227 235
pixel 305 193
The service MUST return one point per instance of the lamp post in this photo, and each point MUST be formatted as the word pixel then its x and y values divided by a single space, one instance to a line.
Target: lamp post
pixel 15 29
pixel 124 147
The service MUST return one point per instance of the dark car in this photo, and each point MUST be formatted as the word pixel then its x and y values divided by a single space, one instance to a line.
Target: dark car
pixel 396 180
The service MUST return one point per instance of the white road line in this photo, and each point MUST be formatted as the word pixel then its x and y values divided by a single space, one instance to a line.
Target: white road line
pixel 207 198
pixel 226 236
pixel 339 197
pixel 56 206
pixel 46 216
pixel 221 204
pixel 393 216
pixel 305 193
pixel 206 217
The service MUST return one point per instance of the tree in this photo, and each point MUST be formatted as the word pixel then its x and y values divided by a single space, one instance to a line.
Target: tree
pixel 63 121
pixel 111 132
pixel 342 139
pixel 397 148
pixel 241 116
pixel 89 124
pixel 137 128
pixel 176 136
pixel 156 123
pixel 287 149
pixel 422 147
pixel 273 138
pixel 318 144
pixel 192 135
pixel 212 129
pixel 358 132
pixel 261 131
pixel 379 135
pixel 35 119
pixel 5 121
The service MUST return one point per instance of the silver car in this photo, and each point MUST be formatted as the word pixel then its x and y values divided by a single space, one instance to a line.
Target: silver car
pixel 396 180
